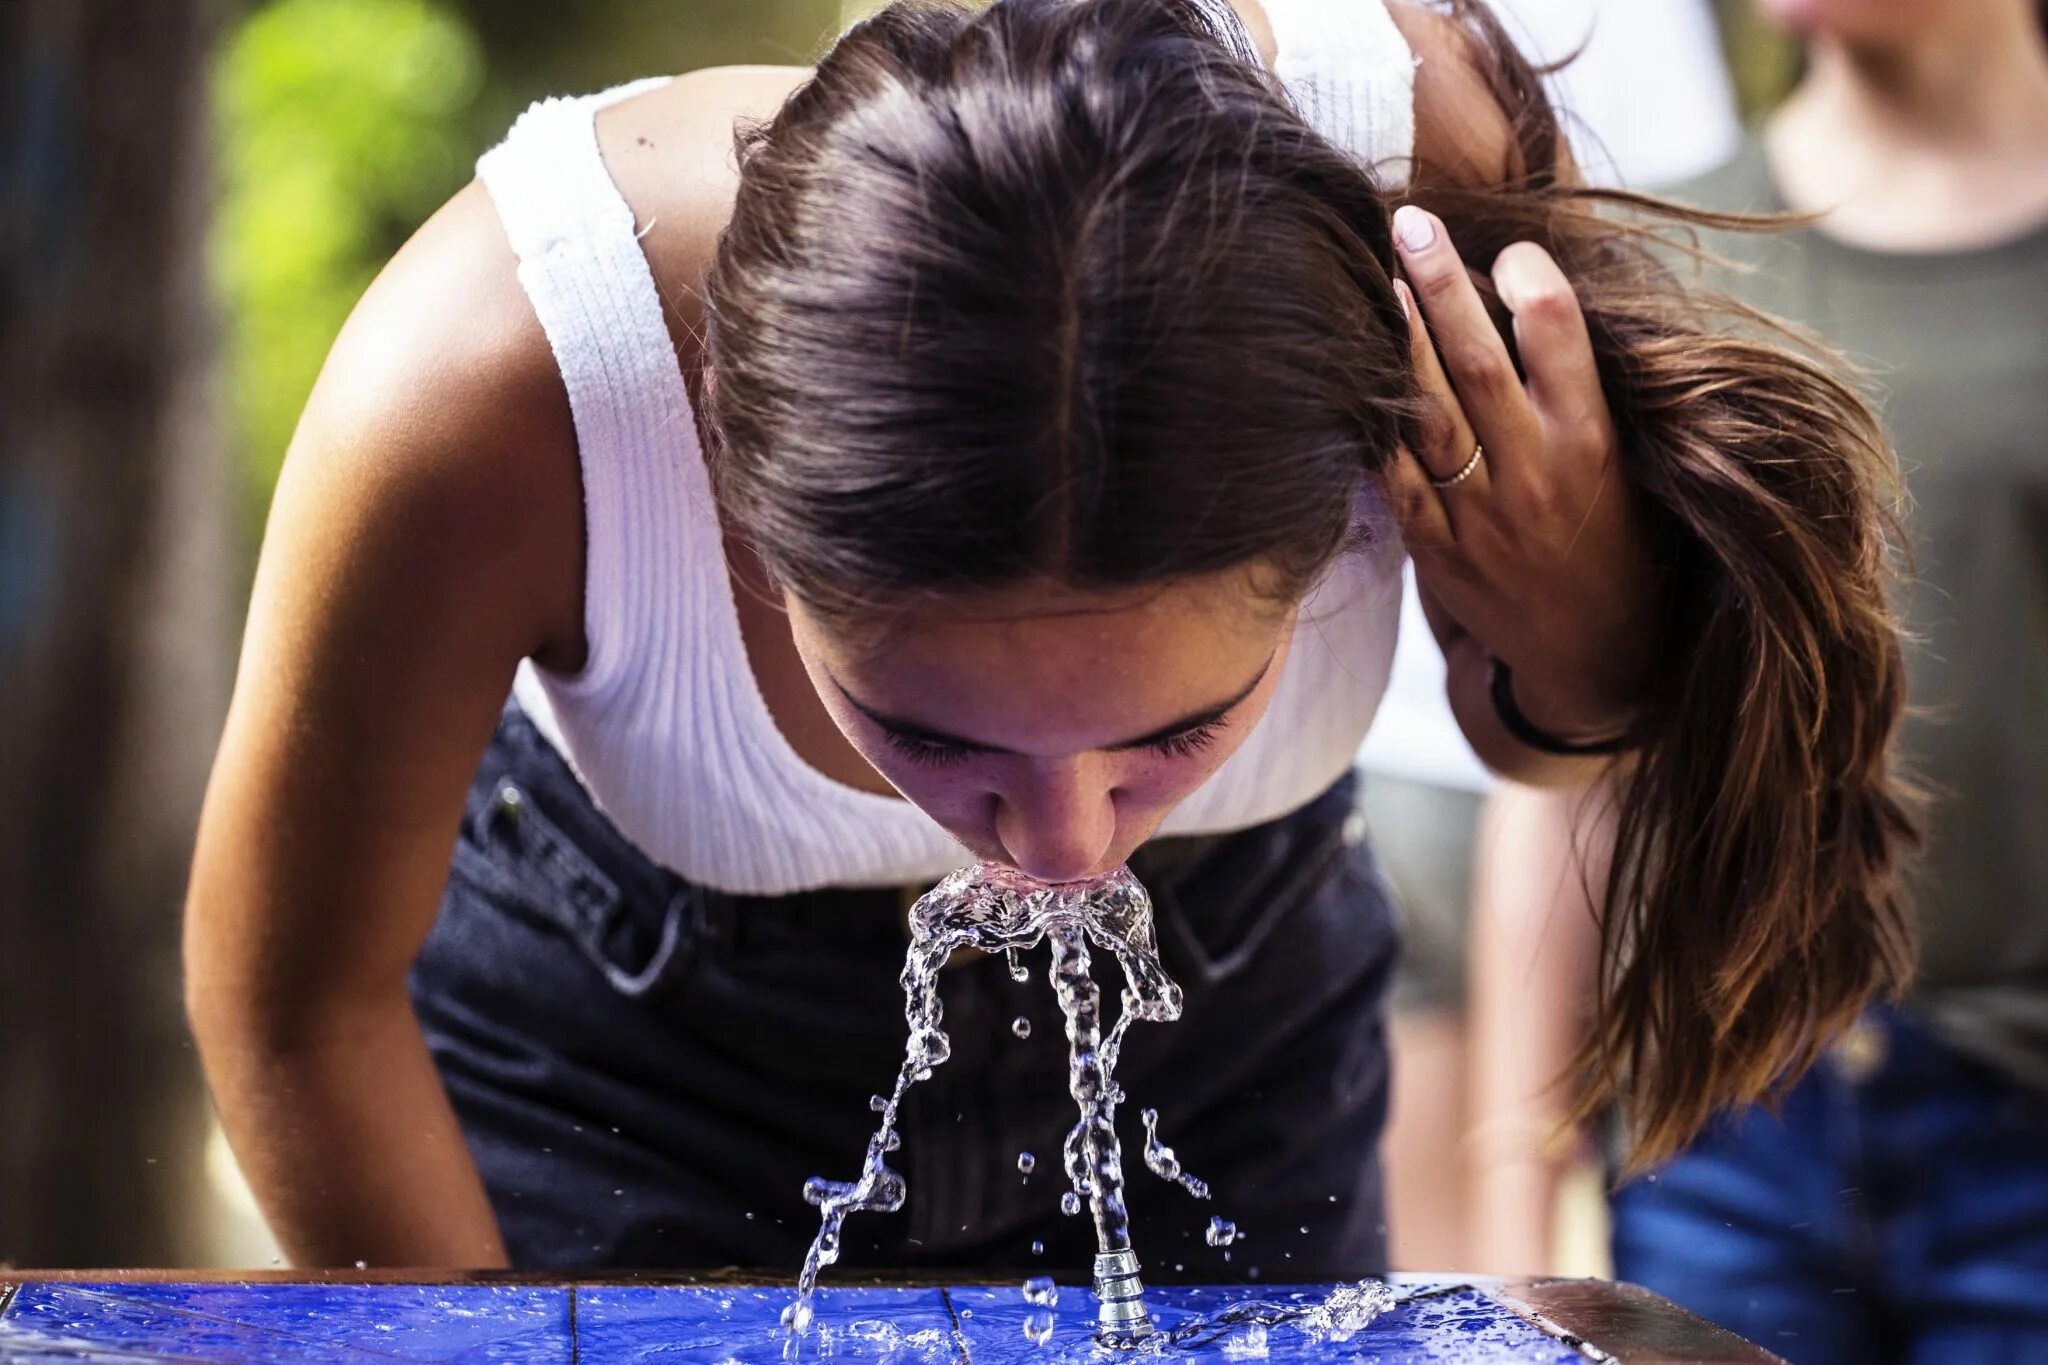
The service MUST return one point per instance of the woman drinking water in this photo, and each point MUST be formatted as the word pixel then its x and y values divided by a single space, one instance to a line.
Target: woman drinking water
pixel 1009 454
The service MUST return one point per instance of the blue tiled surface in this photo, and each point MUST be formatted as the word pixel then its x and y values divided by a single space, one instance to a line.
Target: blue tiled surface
pixel 713 1324
pixel 286 1322
pixel 1435 1322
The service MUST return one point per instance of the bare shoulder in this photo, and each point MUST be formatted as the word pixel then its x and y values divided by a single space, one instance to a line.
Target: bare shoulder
pixel 670 151
pixel 1461 132
pixel 444 344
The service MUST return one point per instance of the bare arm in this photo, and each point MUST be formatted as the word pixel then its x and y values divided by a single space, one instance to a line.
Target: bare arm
pixel 1530 975
pixel 426 535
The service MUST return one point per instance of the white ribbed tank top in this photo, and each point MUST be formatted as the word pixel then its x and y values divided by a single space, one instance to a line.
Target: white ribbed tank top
pixel 665 725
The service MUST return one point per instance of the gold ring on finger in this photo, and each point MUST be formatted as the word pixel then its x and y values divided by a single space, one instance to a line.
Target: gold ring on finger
pixel 1471 467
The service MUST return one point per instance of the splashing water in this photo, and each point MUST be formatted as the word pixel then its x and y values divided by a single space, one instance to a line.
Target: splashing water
pixel 1338 1316
pixel 995 909
pixel 1222 1232
pixel 1250 1344
pixel 1160 1160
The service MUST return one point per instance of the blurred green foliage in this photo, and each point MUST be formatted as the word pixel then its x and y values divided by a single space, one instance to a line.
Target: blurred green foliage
pixel 342 124
pixel 1763 62
pixel 341 127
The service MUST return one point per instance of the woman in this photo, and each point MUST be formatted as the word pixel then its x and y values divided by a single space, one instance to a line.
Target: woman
pixel 1054 387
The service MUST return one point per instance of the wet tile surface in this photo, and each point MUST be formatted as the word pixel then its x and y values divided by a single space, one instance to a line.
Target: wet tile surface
pixel 286 1322
pixel 1436 1321
pixel 713 1324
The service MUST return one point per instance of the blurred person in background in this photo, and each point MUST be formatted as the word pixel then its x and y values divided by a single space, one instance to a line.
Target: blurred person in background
pixel 1648 102
pixel 1897 1207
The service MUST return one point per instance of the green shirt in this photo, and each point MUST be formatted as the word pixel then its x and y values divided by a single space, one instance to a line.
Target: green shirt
pixel 1957 346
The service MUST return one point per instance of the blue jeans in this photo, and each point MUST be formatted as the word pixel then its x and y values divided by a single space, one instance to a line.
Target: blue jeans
pixel 1897 1211
pixel 647 1070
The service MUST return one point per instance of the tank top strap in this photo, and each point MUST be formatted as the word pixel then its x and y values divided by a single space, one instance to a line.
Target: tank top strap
pixel 547 179
pixel 582 268
pixel 1351 72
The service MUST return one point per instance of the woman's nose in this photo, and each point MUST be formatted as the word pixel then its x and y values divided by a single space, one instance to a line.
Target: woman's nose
pixel 1059 825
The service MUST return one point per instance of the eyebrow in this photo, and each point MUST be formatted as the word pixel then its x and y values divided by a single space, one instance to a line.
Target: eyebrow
pixel 1195 720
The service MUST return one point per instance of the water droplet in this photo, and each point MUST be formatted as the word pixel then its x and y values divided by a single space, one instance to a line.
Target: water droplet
pixel 1038 1248
pixel 1038 1328
pixel 1222 1232
pixel 1021 1026
pixel 618 1192
pixel 878 1104
pixel 750 1215
pixel 1041 1291
pixel 362 1265
pixel 1018 971
pixel 1026 1162
pixel 1070 1203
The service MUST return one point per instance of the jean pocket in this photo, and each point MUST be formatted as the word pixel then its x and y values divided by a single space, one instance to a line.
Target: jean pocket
pixel 519 858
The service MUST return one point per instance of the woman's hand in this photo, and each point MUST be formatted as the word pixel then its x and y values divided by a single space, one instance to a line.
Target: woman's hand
pixel 1537 556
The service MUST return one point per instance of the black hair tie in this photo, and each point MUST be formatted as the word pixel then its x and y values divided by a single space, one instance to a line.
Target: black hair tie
pixel 1502 685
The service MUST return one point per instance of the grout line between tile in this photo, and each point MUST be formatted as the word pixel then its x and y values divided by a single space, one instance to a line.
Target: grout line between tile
pixel 966 1355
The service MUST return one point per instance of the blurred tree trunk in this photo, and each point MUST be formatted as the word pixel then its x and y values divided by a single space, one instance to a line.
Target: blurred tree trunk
pixel 117 579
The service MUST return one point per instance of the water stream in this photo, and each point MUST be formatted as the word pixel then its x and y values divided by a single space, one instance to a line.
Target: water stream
pixel 995 909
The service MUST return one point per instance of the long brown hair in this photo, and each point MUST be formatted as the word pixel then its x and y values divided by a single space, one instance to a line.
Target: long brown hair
pixel 1070 290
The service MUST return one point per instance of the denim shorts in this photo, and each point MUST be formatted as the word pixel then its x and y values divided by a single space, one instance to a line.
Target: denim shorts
pixel 647 1071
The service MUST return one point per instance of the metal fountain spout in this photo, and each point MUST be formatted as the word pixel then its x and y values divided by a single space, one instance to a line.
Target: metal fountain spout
pixel 1120 1313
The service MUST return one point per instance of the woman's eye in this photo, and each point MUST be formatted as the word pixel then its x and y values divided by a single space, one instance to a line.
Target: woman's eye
pixel 931 752
pixel 1188 742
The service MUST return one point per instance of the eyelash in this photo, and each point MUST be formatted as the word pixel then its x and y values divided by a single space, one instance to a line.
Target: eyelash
pixel 934 754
